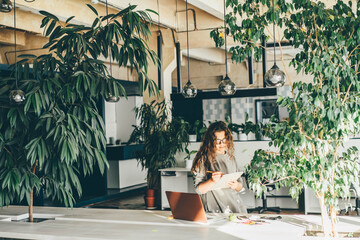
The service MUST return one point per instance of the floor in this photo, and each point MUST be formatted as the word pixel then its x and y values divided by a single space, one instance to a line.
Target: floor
pixel 129 200
pixel 135 200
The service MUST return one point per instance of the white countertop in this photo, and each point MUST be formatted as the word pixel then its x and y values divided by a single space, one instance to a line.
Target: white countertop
pixel 87 223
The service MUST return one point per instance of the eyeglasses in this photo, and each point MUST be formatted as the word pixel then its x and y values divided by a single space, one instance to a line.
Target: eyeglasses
pixel 219 141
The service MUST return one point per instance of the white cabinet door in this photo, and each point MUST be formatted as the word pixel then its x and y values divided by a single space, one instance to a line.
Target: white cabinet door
pixel 125 173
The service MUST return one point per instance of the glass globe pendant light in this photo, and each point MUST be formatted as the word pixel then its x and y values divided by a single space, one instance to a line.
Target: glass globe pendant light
pixel 189 90
pixel 5 6
pixel 274 77
pixel 226 86
pixel 109 96
pixel 16 96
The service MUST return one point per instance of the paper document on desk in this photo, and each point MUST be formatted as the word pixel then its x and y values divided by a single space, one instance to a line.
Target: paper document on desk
pixel 222 183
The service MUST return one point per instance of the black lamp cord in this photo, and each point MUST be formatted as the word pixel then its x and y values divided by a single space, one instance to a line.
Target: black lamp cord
pixel 16 70
pixel 158 8
pixel 107 20
pixel 187 42
pixel 226 68
pixel 274 30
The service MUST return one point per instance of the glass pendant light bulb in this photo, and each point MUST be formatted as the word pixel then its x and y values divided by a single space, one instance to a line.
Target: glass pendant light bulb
pixel 227 87
pixel 17 96
pixel 111 98
pixel 274 77
pixel 189 90
pixel 5 6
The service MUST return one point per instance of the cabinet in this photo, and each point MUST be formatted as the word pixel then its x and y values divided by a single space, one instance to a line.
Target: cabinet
pixel 177 180
pixel 124 170
pixel 125 173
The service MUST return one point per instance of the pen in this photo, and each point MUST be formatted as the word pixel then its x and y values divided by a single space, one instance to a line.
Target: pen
pixel 213 172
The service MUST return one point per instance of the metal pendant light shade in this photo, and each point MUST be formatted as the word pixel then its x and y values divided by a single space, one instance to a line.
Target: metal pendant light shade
pixel 274 77
pixel 111 98
pixel 227 87
pixel 189 90
pixel 16 96
pixel 5 6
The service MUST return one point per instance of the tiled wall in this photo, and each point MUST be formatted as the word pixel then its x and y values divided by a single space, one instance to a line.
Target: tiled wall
pixel 215 109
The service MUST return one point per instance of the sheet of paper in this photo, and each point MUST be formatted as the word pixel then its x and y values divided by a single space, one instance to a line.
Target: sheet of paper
pixel 222 183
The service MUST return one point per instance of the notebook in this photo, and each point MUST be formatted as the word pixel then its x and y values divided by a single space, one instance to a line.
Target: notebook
pixel 188 206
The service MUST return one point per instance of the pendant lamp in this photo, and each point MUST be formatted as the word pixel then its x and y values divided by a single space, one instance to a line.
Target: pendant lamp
pixel 274 77
pixel 226 86
pixel 5 6
pixel 189 90
pixel 109 97
pixel 16 96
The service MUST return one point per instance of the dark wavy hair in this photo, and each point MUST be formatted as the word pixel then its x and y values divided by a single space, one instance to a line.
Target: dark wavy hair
pixel 206 155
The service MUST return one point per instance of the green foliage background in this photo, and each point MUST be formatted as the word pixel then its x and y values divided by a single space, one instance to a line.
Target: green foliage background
pixel 309 147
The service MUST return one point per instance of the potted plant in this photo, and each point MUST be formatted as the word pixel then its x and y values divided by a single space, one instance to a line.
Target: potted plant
pixel 188 159
pixel 198 129
pixel 162 138
pixel 323 113
pixel 58 133
pixel 234 128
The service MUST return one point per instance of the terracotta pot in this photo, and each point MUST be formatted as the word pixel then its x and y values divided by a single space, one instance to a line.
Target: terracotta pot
pixel 150 202
pixel 150 193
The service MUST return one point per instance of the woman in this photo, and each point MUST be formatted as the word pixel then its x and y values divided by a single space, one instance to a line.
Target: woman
pixel 215 158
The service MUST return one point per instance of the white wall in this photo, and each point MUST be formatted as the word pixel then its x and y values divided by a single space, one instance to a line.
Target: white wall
pixel 120 116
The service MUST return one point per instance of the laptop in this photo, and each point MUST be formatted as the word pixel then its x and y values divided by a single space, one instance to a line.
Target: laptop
pixel 188 206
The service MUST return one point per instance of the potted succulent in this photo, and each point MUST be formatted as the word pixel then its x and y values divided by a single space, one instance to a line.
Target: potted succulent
pixel 323 113
pixel 162 139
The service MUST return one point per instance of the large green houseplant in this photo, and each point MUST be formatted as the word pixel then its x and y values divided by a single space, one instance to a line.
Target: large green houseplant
pixel 58 133
pixel 323 113
pixel 162 137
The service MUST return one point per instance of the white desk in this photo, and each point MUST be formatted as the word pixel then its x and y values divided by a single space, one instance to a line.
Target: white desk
pixel 91 224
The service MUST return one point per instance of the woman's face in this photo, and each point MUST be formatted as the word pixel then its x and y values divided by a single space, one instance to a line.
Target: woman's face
pixel 220 142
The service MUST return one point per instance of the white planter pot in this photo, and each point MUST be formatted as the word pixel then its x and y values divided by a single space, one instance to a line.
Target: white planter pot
pixel 243 137
pixel 188 163
pixel 192 138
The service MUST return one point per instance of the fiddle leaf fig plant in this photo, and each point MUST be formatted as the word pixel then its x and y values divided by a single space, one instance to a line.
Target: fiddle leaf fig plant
pixel 323 113
pixel 58 133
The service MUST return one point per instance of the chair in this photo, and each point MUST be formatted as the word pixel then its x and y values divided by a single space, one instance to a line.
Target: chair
pixel 264 207
pixel 356 194
pixel 357 199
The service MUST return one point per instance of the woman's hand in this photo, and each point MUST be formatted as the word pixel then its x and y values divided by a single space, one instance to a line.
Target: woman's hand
pixel 215 176
pixel 233 184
